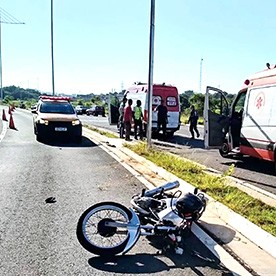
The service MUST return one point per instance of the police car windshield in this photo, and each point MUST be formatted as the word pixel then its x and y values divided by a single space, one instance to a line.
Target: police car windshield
pixel 57 107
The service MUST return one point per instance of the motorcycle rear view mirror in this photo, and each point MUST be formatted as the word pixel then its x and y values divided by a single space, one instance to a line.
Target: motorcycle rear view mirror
pixel 143 192
pixel 195 191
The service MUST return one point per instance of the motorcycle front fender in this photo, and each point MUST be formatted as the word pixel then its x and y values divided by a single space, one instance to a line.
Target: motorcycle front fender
pixel 134 228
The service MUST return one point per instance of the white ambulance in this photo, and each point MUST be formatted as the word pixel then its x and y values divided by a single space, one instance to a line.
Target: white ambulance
pixel 170 96
pixel 248 127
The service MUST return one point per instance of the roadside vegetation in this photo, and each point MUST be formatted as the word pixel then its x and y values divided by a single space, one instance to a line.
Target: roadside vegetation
pixel 18 96
pixel 216 187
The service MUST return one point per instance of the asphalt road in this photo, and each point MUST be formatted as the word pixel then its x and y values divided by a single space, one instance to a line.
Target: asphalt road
pixel 256 172
pixel 38 238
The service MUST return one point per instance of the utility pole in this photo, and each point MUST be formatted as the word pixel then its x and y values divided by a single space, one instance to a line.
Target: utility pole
pixel 200 75
pixel 150 77
pixel 5 18
pixel 122 86
pixel 52 49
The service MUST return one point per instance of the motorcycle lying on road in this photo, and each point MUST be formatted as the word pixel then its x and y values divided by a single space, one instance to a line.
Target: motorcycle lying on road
pixel 109 228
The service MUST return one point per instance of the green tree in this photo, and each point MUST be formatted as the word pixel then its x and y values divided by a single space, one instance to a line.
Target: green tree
pixel 21 93
pixel 184 99
pixel 8 99
pixel 189 93
pixel 198 101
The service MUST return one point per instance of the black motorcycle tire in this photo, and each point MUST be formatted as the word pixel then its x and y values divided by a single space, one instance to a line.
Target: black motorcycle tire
pixel 90 246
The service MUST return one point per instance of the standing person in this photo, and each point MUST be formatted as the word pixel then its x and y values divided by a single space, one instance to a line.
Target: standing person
pixel 121 117
pixel 128 119
pixel 138 120
pixel 162 118
pixel 193 122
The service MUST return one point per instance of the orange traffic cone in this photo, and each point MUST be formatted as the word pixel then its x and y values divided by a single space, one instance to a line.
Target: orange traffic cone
pixel 11 124
pixel 4 118
pixel 9 110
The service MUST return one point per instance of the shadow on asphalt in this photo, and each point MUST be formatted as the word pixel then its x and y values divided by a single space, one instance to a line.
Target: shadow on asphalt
pixel 195 256
pixel 245 162
pixel 252 164
pixel 186 141
pixel 65 142
pixel 226 233
pixel 182 141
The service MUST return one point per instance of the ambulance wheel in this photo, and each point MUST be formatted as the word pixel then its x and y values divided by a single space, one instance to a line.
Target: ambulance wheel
pixel 224 150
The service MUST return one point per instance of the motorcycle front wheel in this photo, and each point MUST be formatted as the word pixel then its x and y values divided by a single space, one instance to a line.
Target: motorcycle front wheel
pixel 98 238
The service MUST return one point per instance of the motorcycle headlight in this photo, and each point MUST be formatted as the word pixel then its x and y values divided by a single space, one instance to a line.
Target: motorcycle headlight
pixel 76 122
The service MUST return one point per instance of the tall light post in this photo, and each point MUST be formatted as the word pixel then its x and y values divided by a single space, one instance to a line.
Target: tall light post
pixel 150 76
pixel 1 82
pixel 6 18
pixel 52 49
pixel 200 75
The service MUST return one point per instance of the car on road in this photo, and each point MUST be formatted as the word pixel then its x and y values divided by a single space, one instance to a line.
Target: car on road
pixel 80 109
pixel 55 116
pixel 96 110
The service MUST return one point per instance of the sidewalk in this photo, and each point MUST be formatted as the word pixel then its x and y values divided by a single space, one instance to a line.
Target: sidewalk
pixel 254 248
pixel 3 128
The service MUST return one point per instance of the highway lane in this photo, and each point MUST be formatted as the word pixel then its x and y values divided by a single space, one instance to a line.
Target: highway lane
pixel 38 238
pixel 256 172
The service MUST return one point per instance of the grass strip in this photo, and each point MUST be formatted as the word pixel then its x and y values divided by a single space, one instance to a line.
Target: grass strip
pixel 240 202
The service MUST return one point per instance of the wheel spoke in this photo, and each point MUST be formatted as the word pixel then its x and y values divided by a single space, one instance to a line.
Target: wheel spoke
pixel 109 239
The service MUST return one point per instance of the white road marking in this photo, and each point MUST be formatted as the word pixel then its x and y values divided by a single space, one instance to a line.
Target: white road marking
pixel 4 130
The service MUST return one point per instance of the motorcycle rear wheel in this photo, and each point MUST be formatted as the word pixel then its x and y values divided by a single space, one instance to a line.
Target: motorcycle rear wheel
pixel 96 237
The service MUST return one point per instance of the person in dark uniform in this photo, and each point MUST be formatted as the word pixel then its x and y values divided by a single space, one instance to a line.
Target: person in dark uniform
pixel 193 122
pixel 162 118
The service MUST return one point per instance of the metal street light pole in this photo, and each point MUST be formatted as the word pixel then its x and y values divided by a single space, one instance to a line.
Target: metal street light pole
pixel 1 83
pixel 7 18
pixel 150 76
pixel 52 49
pixel 200 75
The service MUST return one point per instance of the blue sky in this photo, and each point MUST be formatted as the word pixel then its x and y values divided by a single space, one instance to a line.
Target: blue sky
pixel 100 46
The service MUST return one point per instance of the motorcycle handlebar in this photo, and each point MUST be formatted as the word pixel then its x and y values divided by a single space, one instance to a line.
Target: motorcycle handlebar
pixel 166 187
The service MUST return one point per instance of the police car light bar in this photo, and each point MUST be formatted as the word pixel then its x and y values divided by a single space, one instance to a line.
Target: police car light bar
pixel 55 98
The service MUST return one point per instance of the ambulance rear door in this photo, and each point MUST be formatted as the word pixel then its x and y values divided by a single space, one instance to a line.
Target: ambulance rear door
pixel 216 117
pixel 171 100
